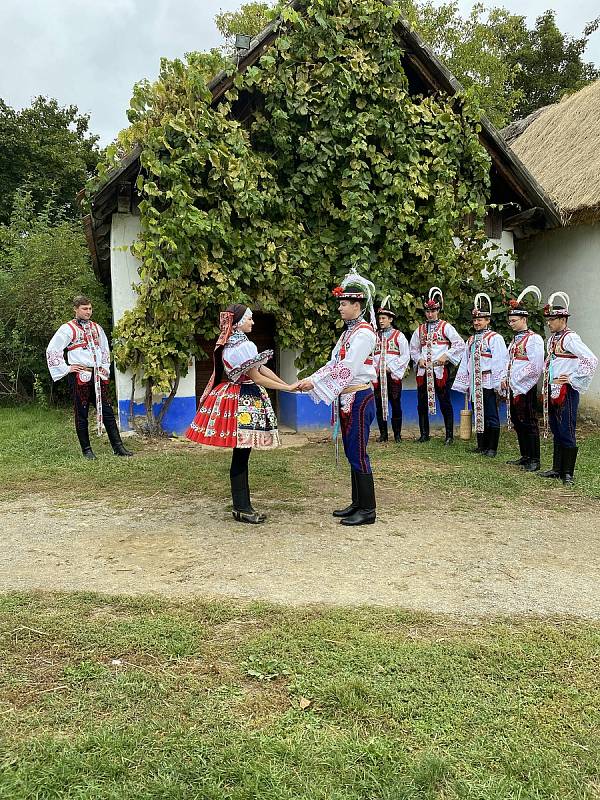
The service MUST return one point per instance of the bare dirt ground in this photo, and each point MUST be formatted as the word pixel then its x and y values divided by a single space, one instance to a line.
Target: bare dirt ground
pixel 543 562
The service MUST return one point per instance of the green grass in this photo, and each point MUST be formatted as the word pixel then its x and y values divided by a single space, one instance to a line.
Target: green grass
pixel 39 451
pixel 106 697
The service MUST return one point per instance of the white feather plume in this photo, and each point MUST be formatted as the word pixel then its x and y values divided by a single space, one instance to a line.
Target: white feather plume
pixel 563 296
pixel 369 288
pixel 478 298
pixel 530 290
pixel 434 292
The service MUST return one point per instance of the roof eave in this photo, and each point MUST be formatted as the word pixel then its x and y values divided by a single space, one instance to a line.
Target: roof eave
pixel 436 75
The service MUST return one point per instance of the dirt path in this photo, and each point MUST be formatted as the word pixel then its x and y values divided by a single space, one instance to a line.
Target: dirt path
pixel 547 562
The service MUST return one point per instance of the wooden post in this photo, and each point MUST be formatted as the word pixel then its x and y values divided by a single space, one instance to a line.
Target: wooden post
pixel 465 421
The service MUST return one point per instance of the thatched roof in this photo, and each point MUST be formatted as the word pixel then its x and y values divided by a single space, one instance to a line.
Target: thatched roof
pixel 560 145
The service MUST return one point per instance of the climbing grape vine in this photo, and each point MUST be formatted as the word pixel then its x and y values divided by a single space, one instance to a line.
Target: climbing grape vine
pixel 336 165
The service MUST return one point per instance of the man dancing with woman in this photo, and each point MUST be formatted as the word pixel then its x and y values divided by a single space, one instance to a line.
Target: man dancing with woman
pixel 235 410
pixel 346 383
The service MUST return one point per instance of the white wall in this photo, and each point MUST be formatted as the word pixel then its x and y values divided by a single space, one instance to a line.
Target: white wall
pixel 568 259
pixel 124 274
pixel 504 248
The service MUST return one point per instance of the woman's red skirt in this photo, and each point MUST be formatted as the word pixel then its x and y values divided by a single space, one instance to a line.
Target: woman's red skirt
pixel 235 415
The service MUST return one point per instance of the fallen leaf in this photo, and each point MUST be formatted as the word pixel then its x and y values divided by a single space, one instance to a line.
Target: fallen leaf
pixel 304 703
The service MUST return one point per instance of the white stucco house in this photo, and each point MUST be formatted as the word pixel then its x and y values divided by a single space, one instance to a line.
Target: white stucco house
pixel 114 223
pixel 560 145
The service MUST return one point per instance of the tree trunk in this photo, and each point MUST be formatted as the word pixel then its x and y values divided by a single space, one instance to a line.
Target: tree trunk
pixel 169 400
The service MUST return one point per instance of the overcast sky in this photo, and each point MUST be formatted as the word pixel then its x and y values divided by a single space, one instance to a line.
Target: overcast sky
pixel 91 53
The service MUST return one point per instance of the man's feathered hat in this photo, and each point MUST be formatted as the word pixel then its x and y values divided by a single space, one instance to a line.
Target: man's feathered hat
pixel 515 309
pixel 553 310
pixel 478 311
pixel 355 287
pixel 435 300
pixel 384 308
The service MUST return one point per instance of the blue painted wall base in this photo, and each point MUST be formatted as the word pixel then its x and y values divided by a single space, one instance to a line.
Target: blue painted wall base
pixel 177 419
pixel 296 411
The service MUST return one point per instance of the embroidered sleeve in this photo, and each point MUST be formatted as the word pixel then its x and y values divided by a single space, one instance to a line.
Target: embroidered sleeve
pixel 535 364
pixel 256 361
pixel 457 345
pixel 499 360
pixel 398 363
pixel 462 380
pixel 332 378
pixel 415 347
pixel 504 375
pixel 55 357
pixel 586 365
pixel 329 382
pixel 104 354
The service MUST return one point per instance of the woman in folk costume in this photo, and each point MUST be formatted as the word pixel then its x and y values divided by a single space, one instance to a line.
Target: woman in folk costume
pixel 433 347
pixel 346 383
pixel 524 368
pixel 568 372
pixel 390 360
pixel 480 376
pixel 235 410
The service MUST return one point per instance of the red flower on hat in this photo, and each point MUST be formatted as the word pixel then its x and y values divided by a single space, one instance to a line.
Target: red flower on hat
pixel 514 304
pixel 431 304
pixel 337 291
pixel 547 308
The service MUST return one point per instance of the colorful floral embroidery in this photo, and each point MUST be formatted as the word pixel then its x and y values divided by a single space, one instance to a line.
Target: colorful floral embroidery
pixel 55 358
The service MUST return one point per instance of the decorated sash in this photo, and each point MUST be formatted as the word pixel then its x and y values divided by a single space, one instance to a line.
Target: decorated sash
pixel 477 384
pixel 517 350
pixel 554 345
pixel 430 374
pixel 383 384
pixel 428 337
pixel 92 343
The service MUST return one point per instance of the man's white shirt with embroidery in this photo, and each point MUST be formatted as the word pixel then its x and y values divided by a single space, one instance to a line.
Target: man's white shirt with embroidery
pixel 86 356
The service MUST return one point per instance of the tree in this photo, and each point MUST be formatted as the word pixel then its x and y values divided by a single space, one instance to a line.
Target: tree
pixel 548 64
pixel 250 19
pixel 473 48
pixel 508 69
pixel 48 148
pixel 44 263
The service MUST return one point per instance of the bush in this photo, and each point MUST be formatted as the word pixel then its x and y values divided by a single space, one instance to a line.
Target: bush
pixel 44 263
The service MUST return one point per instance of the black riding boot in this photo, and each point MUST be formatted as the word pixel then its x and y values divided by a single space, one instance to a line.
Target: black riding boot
pixel 114 437
pixel 449 426
pixel 240 496
pixel 423 427
pixel 346 512
pixel 556 462
pixel 493 437
pixel 365 513
pixel 383 431
pixel 523 452
pixel 533 449
pixel 567 465
pixel 84 440
pixel 481 443
pixel 397 428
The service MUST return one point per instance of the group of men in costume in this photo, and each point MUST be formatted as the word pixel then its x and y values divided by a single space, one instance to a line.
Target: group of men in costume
pixel 360 381
pixel 489 371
